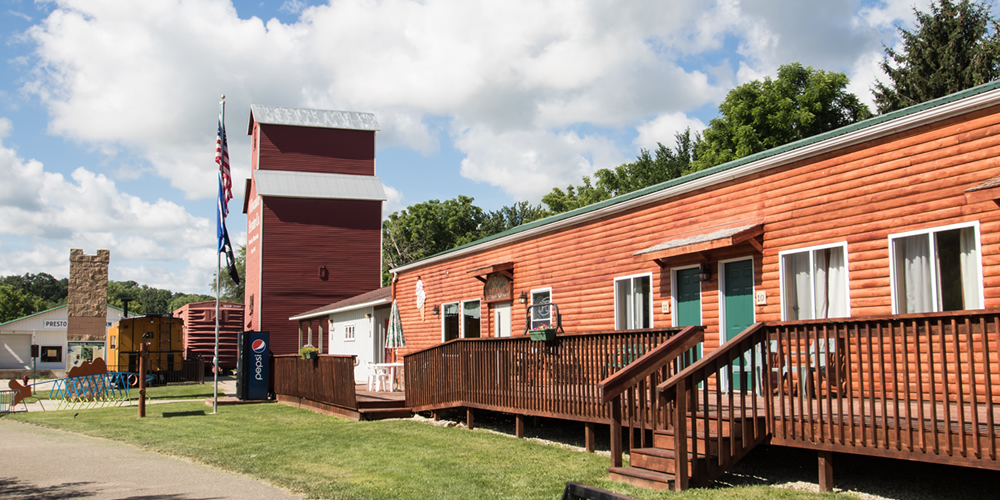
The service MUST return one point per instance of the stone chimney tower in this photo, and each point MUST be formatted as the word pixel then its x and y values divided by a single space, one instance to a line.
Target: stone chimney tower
pixel 88 295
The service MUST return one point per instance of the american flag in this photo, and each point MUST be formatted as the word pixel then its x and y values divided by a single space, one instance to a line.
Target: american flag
pixel 222 159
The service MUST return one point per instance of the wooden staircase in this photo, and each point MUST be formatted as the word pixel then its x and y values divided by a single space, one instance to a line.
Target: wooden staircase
pixel 655 467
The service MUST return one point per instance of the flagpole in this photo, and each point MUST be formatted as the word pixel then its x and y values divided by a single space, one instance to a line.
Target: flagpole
pixel 218 283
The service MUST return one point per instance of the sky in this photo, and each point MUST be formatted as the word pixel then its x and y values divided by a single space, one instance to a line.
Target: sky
pixel 109 109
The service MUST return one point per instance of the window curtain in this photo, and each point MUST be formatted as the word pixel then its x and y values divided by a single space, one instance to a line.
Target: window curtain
pixel 623 297
pixel 913 274
pixel 969 262
pixel 832 275
pixel 798 303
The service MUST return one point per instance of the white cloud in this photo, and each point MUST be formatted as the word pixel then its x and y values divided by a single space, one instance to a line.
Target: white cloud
pixel 527 165
pixel 394 203
pixel 47 214
pixel 663 128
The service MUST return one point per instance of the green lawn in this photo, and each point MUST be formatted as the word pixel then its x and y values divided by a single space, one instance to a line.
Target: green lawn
pixel 328 457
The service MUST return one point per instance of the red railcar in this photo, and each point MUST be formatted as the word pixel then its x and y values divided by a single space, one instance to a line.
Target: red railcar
pixel 199 331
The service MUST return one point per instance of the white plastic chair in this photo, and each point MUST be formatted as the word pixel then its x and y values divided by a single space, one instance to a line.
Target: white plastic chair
pixel 378 378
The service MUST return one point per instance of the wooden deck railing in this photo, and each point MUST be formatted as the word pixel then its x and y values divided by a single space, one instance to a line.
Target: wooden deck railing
pixel 329 379
pixel 517 375
pixel 629 390
pixel 919 387
pixel 916 387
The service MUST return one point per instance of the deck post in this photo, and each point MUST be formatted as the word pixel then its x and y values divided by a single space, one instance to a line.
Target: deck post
pixel 825 470
pixel 437 415
pixel 519 426
pixel 588 436
pixel 616 431
pixel 680 437
pixel 470 420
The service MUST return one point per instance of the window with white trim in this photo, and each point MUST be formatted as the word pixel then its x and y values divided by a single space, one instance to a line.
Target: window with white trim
pixel 633 302
pixel 814 283
pixel 936 270
pixel 449 322
pixel 471 319
pixel 541 315
pixel 349 333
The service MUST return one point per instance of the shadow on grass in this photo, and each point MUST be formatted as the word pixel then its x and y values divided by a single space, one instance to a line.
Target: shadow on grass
pixel 183 413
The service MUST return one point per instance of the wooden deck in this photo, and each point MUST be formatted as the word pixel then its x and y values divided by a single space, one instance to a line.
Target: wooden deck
pixel 914 387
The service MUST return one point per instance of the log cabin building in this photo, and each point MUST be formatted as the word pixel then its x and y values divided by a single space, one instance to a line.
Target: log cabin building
pixel 844 287
pixel 892 215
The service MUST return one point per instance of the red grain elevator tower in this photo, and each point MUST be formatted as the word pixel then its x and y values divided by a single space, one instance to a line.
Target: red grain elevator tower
pixel 314 215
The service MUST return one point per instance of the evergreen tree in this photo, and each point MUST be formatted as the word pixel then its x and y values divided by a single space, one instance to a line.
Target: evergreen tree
pixel 954 47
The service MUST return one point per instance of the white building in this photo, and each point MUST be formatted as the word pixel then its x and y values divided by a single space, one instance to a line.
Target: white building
pixel 352 326
pixel 47 329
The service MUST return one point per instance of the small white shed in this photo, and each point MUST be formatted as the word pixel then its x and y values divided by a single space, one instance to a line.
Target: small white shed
pixel 353 326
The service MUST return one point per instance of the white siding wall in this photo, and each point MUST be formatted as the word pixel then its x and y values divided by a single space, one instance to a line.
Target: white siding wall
pixel 361 346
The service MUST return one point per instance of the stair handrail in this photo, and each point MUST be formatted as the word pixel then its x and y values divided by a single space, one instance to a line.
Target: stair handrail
pixel 621 380
pixel 680 390
pixel 612 387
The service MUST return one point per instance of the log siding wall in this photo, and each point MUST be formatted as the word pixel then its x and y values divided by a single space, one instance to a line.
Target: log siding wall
pixel 910 180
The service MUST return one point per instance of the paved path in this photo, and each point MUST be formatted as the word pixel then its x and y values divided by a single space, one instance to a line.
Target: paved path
pixel 41 463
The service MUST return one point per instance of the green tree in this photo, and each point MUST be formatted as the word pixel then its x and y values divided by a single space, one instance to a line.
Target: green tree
pixel 15 304
pixel 428 228
pixel 954 47
pixel 42 285
pixel 509 217
pixel 761 115
pixel 181 299
pixel 574 197
pixel 647 171
pixel 231 292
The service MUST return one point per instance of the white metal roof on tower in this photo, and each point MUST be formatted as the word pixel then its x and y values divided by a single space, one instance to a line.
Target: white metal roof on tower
pixel 322 118
pixel 315 185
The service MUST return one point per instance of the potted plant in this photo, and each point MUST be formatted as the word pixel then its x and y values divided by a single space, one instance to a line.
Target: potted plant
pixel 543 332
pixel 308 352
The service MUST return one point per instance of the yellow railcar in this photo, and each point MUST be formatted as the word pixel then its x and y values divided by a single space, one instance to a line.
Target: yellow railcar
pixel 164 338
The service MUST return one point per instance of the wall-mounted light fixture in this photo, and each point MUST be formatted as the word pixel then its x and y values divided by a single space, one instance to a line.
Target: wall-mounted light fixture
pixel 523 298
pixel 436 310
pixel 368 315
pixel 704 272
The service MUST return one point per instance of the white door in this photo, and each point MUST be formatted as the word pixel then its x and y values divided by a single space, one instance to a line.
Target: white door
pixel 501 319
pixel 15 353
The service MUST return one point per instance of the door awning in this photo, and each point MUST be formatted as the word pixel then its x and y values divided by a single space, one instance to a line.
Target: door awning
pixel 702 242
pixel 506 269
pixel 987 191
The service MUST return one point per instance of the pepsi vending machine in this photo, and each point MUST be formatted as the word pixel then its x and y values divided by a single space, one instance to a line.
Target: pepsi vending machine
pixel 253 365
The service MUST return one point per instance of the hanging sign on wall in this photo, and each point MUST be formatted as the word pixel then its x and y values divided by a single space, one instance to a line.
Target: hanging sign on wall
pixel 497 288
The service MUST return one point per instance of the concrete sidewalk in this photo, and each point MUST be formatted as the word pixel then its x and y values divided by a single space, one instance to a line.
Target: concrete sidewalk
pixel 36 462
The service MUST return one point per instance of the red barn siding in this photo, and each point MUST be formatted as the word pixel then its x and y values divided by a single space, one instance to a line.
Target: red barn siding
pixel 317 150
pixel 861 194
pixel 301 235
pixel 199 331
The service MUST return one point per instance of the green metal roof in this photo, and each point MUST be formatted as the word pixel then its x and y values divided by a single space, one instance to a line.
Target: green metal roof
pixel 854 127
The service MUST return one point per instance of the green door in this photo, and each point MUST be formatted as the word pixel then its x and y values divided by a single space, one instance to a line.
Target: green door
pixel 689 302
pixel 738 291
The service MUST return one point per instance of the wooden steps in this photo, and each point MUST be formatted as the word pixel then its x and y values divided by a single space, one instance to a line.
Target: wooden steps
pixel 372 409
pixel 655 467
